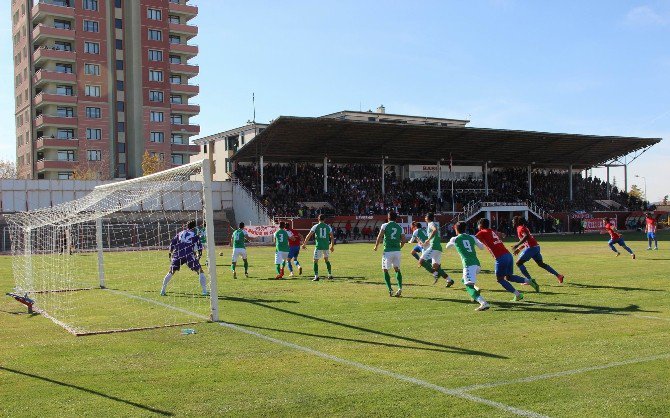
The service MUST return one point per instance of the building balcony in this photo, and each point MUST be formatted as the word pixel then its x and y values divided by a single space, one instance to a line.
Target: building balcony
pixel 51 165
pixel 190 109
pixel 46 76
pixel 185 10
pixel 183 29
pixel 184 69
pixel 44 31
pixel 47 54
pixel 43 121
pixel 52 8
pixel 184 49
pixel 189 89
pixel 46 142
pixel 186 129
pixel 46 97
pixel 185 148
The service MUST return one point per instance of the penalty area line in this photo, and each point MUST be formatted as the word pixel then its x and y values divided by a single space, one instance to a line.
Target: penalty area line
pixel 564 373
pixel 458 393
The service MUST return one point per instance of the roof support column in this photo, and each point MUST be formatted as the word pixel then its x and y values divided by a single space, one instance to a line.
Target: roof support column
pixel 262 177
pixel 625 177
pixel 383 177
pixel 325 174
pixel 439 183
pixel 486 178
pixel 607 185
pixel 530 180
pixel 571 175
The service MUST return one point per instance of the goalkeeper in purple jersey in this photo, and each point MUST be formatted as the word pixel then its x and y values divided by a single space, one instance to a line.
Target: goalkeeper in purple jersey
pixel 183 249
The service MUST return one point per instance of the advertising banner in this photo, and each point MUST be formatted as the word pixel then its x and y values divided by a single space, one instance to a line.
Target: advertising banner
pixel 594 224
pixel 261 231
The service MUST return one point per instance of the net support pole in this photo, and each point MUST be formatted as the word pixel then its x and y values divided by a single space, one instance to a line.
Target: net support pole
pixel 570 174
pixel 209 233
pixel 101 258
pixel 625 177
pixel 27 253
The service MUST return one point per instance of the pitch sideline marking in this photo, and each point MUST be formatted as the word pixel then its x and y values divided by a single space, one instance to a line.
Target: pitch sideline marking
pixel 564 373
pixel 652 317
pixel 453 392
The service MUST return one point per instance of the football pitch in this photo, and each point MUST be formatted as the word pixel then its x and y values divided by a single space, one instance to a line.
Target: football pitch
pixel 597 345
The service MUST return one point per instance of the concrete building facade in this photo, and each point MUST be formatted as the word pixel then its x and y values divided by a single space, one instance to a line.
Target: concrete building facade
pixel 99 82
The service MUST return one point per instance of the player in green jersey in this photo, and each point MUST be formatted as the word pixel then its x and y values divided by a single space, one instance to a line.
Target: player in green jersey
pixel 237 241
pixel 280 238
pixel 465 246
pixel 419 235
pixel 394 240
pixel 432 248
pixel 325 241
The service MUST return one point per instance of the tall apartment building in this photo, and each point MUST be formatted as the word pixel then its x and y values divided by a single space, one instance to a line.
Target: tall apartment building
pixel 99 82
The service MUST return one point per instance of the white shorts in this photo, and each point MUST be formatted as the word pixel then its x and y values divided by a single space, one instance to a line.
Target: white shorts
pixel 318 254
pixel 280 256
pixel 433 255
pixel 470 274
pixel 391 259
pixel 239 252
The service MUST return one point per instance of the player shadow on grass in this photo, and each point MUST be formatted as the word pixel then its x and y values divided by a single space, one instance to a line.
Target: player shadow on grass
pixel 90 391
pixel 446 348
pixel 531 306
pixel 626 288
pixel 380 283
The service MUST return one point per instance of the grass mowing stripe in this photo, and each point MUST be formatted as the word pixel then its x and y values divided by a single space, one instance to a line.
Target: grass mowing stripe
pixel 564 373
pixel 452 392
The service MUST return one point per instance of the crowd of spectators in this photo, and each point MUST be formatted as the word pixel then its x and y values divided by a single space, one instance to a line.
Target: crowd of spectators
pixel 356 189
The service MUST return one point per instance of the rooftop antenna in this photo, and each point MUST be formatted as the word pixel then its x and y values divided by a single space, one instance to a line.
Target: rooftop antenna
pixel 253 103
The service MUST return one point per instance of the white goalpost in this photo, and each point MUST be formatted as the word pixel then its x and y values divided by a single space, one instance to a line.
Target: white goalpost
pixel 96 264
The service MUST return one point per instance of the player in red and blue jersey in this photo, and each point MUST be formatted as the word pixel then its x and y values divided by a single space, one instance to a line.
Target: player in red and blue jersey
pixel 616 238
pixel 531 249
pixel 650 229
pixel 504 265
pixel 183 249
pixel 294 241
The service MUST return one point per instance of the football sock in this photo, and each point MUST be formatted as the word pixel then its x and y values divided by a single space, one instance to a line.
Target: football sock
pixel 166 280
pixel 518 279
pixel 246 266
pixel 524 271
pixel 507 285
pixel 203 282
pixel 328 267
pixel 474 294
pixel 625 247
pixel 277 268
pixel 550 269
pixel 614 249
pixel 415 255
pixel 387 280
pixel 290 267
pixel 316 268
pixel 297 263
pixel 649 240
pixel 442 273
pixel 480 299
pixel 232 266
pixel 426 264
pixel 398 277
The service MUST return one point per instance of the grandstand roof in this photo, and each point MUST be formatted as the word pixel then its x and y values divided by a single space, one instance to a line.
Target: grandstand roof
pixel 305 139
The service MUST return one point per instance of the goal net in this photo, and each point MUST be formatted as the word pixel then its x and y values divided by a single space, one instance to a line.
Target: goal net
pixel 97 264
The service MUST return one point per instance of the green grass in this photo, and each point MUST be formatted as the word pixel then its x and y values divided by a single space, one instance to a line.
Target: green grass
pixel 609 310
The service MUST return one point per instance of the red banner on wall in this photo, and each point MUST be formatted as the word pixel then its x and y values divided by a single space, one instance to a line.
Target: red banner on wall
pixel 261 231
pixel 594 224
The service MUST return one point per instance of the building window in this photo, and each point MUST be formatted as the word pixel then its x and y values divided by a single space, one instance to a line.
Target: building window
pixel 156 116
pixel 62 46
pixel 65 155
pixel 174 19
pixel 91 69
pixel 117 3
pixel 178 139
pixel 154 14
pixel 92 91
pixel 93 134
pixel 177 159
pixel 63 68
pixel 64 90
pixel 63 175
pixel 176 119
pixel 155 55
pixel 91 47
pixel 155 75
pixel 176 99
pixel 175 59
pixel 90 5
pixel 175 39
pixel 91 26
pixel 120 106
pixel 118 23
pixel 155 35
pixel 175 79
pixel 121 147
pixel 155 96
pixel 119 85
pixel 65 112
pixel 94 155
pixel 119 64
pixel 119 44
pixel 62 24
pixel 93 113
pixel 157 137
pixel 122 169
pixel 120 126
pixel 65 134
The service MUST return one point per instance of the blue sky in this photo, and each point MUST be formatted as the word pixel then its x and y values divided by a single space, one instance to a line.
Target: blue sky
pixel 596 67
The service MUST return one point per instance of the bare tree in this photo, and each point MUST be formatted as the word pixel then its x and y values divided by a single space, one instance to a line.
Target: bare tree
pixel 7 169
